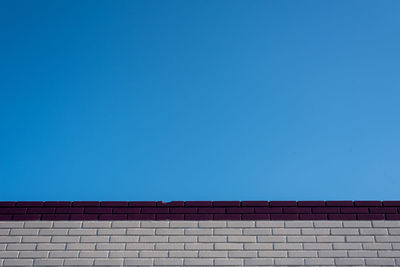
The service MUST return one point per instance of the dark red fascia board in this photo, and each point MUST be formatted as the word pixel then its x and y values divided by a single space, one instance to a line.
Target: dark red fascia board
pixel 199 210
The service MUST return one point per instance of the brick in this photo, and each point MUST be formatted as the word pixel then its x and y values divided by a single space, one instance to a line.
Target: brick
pixel 115 231
pixel 24 232
pixel 13 210
pixel 228 262
pixel 183 210
pixel 257 231
pixel 327 224
pixel 55 217
pixel 255 204
pixel 386 223
pixel 114 203
pixel 80 246
pixel 227 217
pixel 258 246
pixel 9 254
pixel 125 224
pixel 108 262
pixel 121 239
pixel 268 239
pixel 154 224
pixel 7 203
pixel 138 262
pixel 109 217
pixel 391 203
pixel 141 216
pixel 349 261
pixel 284 216
pixel 347 246
pixel 168 262
pixel 20 246
pixel 111 246
pixel 371 216
pixel 306 224
pixel 56 239
pixel 342 216
pixel 69 224
pixel 170 246
pixel 240 210
pixel 98 210
pixel 332 253
pixel 354 210
pixel 274 210
pixel 357 224
pixel 141 231
pixel 18 262
pixel 345 231
pixel 362 253
pixel 137 246
pixel 167 231
pixel 317 246
pixel 120 254
pixel 272 253
pixel 86 231
pixel 81 217
pixel 240 224
pixel 288 261
pixel 226 203
pixel 126 210
pixel 198 262
pixel 255 216
pixel 51 246
pixel 48 262
pixel 152 239
pixel 258 262
pixel 171 204
pixel 357 239
pixel 198 204
pixel 301 239
pixel 142 204
pixel 198 216
pixel 311 203
pixel 319 262
pixel 380 262
pixel 170 216
pixel 383 210
pixel 63 254
pixel 155 210
pixel 32 254
pixel 228 246
pixel 182 239
pixel 27 217
pixel 96 224
pixel 283 203
pixel 183 254
pixel 57 204
pixel 286 231
pixel 242 239
pixel 41 210
pixel 287 246
pixel 330 239
pixel 242 254
pixel 153 254
pixel 339 203
pixel 367 203
pixel 267 224
pixel 213 254
pixel 195 231
pixel 296 210
pixel 228 231
pixel 29 204
pixel 212 239
pixel 315 231
pixel 212 224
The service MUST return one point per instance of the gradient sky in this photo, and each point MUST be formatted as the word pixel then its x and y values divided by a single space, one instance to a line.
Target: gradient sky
pixel 199 100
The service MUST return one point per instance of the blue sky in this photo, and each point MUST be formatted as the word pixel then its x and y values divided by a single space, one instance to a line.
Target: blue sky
pixel 199 100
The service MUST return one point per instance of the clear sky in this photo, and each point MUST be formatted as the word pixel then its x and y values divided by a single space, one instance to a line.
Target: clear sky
pixel 199 100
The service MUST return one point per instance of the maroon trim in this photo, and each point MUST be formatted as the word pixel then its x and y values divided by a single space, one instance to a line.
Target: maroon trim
pixel 199 210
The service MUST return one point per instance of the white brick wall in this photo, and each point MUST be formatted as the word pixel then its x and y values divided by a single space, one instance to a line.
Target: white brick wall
pixel 200 243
